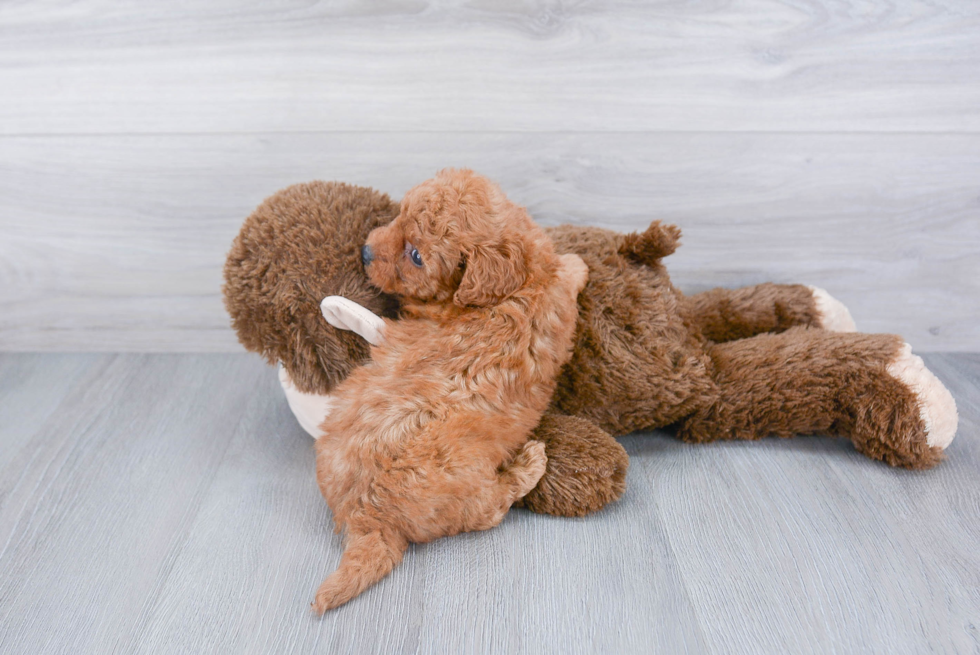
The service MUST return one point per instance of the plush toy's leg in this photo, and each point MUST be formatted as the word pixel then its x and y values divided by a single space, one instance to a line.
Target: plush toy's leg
pixel 867 387
pixel 586 468
pixel 729 314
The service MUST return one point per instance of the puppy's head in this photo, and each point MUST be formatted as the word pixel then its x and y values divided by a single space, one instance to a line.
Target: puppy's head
pixel 457 238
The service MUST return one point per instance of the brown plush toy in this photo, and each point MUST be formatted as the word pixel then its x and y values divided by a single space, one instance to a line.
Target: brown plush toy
pixel 725 364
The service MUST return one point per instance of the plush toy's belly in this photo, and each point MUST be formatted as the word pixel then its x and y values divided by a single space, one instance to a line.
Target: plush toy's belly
pixel 635 364
pixel 310 409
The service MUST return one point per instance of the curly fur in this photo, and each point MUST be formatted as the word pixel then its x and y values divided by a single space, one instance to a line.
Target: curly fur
pixel 430 437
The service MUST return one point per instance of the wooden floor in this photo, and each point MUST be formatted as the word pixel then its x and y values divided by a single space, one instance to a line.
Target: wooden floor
pixel 167 504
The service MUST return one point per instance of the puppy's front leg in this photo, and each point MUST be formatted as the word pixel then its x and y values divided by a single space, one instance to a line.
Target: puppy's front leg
pixel 574 272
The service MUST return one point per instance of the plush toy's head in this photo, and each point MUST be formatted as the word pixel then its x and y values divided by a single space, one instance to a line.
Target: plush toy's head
pixel 301 245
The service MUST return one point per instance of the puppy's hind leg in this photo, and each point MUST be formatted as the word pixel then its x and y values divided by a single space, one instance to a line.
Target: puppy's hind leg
pixel 527 467
pixel 515 480
pixel 368 557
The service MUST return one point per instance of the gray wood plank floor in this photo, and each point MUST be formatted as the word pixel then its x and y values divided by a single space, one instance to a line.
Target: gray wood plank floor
pixel 167 503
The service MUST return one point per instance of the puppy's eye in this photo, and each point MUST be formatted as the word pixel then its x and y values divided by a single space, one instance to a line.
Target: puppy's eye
pixel 415 257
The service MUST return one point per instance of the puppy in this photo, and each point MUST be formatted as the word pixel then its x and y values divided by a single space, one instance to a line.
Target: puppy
pixel 430 437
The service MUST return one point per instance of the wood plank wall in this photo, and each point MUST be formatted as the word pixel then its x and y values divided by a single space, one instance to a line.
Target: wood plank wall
pixel 835 143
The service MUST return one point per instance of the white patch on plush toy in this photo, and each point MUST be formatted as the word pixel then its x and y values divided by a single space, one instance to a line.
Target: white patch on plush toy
pixel 310 409
pixel 346 314
pixel 936 405
pixel 834 316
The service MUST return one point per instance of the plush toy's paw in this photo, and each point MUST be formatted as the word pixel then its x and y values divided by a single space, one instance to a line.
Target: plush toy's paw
pixel 937 409
pixel 833 314
pixel 586 468
pixel 346 314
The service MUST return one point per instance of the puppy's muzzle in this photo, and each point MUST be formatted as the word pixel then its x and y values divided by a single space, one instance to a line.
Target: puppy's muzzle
pixel 367 255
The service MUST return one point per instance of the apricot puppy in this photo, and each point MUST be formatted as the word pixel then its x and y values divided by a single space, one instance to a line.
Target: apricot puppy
pixel 430 437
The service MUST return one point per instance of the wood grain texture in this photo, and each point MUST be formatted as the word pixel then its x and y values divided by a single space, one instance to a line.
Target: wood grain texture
pixel 167 503
pixel 104 489
pixel 415 65
pixel 117 242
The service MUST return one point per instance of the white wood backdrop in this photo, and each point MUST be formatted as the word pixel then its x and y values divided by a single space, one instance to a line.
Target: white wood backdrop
pixel 828 142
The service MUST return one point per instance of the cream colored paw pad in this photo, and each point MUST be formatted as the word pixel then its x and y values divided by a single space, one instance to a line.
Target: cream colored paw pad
pixel 834 315
pixel 936 405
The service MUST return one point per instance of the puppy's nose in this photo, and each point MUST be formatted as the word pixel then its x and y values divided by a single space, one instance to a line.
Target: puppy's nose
pixel 367 255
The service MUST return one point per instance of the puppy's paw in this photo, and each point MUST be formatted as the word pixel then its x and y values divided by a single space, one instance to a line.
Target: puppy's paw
pixel 528 466
pixel 833 314
pixel 574 270
pixel 937 409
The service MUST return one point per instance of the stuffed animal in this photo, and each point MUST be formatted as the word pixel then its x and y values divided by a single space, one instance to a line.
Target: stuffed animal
pixel 746 363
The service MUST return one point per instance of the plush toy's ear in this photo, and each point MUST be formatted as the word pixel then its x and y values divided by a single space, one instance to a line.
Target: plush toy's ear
pixel 492 273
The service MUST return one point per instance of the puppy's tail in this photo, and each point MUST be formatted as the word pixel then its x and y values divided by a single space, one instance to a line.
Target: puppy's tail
pixel 367 558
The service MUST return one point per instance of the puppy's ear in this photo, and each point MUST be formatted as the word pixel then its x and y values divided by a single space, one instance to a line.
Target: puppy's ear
pixel 492 273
